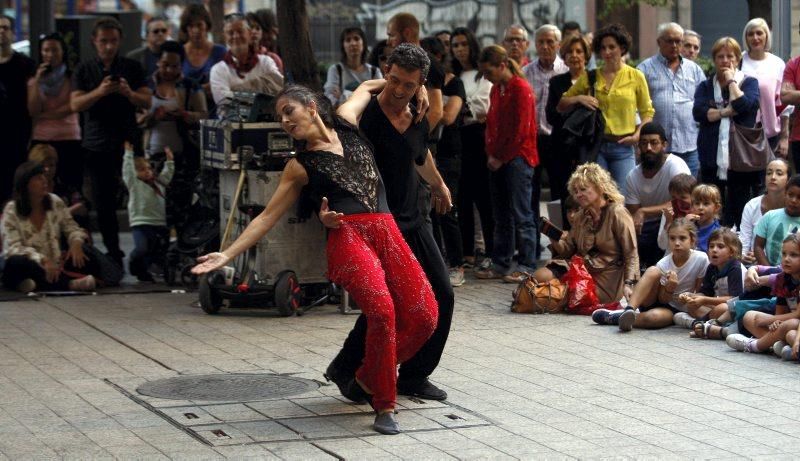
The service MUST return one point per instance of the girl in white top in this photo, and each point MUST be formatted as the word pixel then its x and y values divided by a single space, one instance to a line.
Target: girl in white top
pixel 777 175
pixel 767 68
pixel 656 297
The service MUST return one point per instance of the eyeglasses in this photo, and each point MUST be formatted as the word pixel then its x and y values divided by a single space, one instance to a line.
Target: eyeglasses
pixel 160 31
pixel 674 42
pixel 514 39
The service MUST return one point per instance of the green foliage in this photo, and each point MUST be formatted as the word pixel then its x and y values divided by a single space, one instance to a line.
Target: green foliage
pixel 706 64
pixel 611 5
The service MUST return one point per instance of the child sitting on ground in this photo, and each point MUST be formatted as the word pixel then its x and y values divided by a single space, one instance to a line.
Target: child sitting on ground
pixel 775 225
pixel 680 191
pixel 655 302
pixel 724 280
pixel 146 209
pixel 768 329
pixel 706 203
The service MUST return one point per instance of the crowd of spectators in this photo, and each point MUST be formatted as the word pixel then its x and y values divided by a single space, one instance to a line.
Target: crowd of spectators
pixel 652 205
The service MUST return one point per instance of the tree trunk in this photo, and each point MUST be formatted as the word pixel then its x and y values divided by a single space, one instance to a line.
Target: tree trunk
pixel 760 9
pixel 217 10
pixel 298 59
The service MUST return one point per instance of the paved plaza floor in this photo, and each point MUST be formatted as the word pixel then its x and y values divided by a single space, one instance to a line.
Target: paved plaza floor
pixel 75 373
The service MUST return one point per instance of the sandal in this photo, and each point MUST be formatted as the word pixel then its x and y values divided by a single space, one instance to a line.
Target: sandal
pixel 698 330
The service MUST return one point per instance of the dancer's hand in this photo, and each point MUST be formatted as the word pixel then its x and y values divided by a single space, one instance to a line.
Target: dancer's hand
pixel 422 103
pixel 441 199
pixel 330 219
pixel 210 262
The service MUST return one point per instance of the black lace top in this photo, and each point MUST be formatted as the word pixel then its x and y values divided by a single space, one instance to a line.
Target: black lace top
pixel 351 182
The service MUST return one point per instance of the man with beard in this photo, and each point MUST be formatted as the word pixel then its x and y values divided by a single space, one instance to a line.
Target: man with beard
pixel 647 189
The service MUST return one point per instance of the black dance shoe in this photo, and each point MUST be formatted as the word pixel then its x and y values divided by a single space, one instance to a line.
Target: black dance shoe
pixel 345 384
pixel 423 390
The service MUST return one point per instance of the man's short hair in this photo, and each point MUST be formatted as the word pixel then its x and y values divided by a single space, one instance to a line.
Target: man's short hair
pixel 516 26
pixel 106 23
pixel 667 26
pixel 570 26
pixel 691 33
pixel 12 22
pixel 653 128
pixel 682 183
pixel 548 28
pixel 403 21
pixel 410 57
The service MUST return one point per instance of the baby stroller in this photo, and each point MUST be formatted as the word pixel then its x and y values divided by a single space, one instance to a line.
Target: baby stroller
pixel 197 235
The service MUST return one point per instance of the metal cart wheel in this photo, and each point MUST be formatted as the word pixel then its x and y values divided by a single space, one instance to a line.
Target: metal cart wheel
pixel 210 300
pixel 287 293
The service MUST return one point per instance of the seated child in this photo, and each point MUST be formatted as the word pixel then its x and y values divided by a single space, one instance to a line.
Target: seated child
pixel 680 190
pixel 775 225
pixel 655 300
pixel 706 203
pixel 768 329
pixel 146 209
pixel 723 281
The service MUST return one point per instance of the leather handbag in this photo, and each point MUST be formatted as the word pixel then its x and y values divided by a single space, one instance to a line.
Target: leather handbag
pixel 534 297
pixel 748 149
pixel 583 128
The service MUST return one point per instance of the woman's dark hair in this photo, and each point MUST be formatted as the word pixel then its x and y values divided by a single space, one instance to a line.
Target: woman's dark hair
pixel 268 23
pixel 474 50
pixel 305 96
pixel 57 37
pixel 616 31
pixel 353 30
pixel 194 12
pixel 794 181
pixel 435 47
pixel 171 46
pixel 376 54
pixel 22 177
pixel 253 18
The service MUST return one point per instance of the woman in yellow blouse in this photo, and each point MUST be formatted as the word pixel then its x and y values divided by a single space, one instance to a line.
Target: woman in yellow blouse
pixel 620 92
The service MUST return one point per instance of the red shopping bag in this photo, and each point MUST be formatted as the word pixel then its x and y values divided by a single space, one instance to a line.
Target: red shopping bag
pixel 581 298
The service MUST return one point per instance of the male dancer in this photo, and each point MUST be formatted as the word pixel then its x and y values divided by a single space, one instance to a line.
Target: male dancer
pixel 401 153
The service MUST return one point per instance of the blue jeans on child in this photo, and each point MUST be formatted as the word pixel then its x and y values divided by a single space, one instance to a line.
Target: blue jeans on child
pixel 617 159
pixel 511 188
pixel 149 245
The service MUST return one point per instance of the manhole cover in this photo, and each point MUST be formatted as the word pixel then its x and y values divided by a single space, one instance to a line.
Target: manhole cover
pixel 238 387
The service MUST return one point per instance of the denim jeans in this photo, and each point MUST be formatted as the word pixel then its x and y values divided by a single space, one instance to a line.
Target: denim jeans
pixel 618 159
pixel 692 161
pixel 149 243
pixel 513 217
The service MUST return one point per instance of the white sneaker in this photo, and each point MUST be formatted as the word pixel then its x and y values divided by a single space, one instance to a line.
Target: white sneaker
pixel 739 342
pixel 777 348
pixel 786 352
pixel 456 276
pixel 682 319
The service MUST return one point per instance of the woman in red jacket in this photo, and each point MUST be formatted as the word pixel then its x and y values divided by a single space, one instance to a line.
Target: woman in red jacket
pixel 511 156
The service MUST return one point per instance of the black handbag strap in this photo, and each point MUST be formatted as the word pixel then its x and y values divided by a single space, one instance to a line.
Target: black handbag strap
pixel 592 74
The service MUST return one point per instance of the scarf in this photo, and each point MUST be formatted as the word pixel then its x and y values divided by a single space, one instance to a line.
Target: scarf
pixel 723 154
pixel 51 82
pixel 240 67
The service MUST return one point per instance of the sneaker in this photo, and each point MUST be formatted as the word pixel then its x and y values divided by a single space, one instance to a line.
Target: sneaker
pixel 740 342
pixel 682 319
pixel 515 277
pixel 607 316
pixel 456 276
pixel 469 262
pixel 777 348
pixel 26 286
pixel 485 264
pixel 425 390
pixel 626 320
pixel 786 352
pixel 87 283
pixel 488 274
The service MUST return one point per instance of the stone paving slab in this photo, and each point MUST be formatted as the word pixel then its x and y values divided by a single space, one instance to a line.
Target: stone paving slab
pixel 542 387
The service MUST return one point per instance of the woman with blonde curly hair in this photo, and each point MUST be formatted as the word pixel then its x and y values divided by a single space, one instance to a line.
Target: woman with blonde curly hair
pixel 603 234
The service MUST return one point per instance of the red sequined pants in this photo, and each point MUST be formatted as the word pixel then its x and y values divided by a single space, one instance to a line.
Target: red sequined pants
pixel 368 257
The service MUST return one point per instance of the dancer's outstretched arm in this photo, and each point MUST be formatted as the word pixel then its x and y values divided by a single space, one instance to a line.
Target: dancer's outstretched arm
pixel 293 179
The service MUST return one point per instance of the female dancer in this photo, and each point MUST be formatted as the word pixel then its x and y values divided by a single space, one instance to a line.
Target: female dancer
pixel 366 252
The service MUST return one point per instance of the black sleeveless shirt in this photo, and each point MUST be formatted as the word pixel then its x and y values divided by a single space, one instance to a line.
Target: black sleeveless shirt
pixel 351 182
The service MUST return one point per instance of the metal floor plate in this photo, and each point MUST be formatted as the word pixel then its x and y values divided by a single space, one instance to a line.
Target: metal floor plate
pixel 227 387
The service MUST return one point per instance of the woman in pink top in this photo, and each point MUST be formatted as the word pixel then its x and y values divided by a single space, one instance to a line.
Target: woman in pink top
pixel 54 122
pixel 767 68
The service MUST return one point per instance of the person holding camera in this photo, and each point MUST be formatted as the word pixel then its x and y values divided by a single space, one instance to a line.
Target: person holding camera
pixel 108 88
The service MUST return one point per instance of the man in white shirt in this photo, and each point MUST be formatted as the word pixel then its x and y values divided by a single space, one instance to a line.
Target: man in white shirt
pixel 647 189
